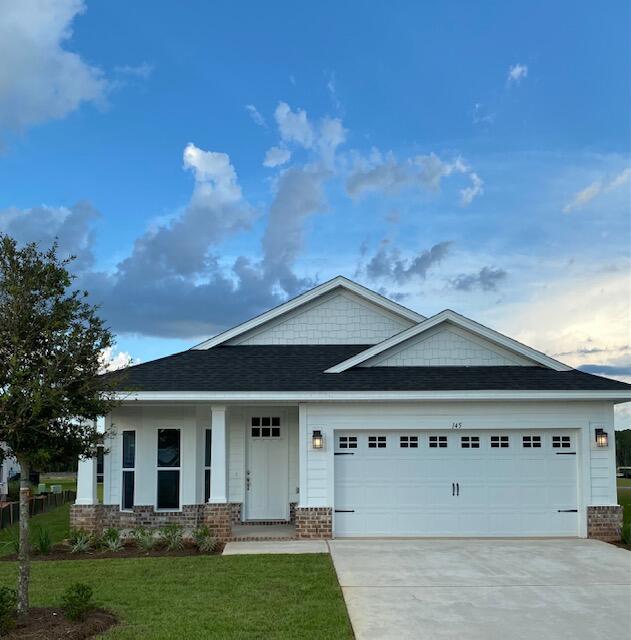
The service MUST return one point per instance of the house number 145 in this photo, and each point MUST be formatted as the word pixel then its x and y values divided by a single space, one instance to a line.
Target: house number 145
pixel 456 425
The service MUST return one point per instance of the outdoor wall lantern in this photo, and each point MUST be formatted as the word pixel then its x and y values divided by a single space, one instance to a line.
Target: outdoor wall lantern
pixel 317 440
pixel 602 439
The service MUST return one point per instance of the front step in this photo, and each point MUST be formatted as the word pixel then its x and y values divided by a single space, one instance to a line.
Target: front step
pixel 257 531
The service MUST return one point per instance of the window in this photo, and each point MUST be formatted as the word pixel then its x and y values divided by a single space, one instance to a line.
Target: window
pixel 559 442
pixel 437 442
pixel 265 427
pixel 207 458
pixel 168 469
pixel 347 442
pixel 469 442
pixel 499 442
pixel 129 469
pixel 376 442
pixel 409 442
pixel 532 442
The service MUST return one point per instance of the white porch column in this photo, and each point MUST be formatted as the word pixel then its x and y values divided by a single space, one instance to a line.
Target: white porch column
pixel 218 455
pixel 86 482
pixel 303 453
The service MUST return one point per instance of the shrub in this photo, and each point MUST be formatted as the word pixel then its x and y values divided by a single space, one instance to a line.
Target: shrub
pixel 145 540
pixel 81 543
pixel 43 542
pixel 204 540
pixel 76 601
pixel 8 602
pixel 111 540
pixel 172 537
pixel 625 534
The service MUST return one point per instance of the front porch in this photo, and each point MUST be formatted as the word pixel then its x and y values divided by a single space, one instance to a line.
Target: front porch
pixel 233 468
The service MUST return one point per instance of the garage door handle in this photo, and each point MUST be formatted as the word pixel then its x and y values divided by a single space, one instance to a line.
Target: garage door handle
pixel 453 488
pixel 567 510
pixel 344 453
pixel 457 488
pixel 345 511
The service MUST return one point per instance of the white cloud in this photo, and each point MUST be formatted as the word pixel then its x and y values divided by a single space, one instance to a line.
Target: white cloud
pixel 294 126
pixel 387 174
pixel 143 70
pixel 257 118
pixel 110 361
pixel 276 156
pixel 213 173
pixel 39 79
pixel 517 73
pixel 586 195
pixel 469 193
pixel 332 135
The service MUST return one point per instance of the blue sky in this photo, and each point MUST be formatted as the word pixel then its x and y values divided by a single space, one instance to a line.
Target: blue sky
pixel 207 160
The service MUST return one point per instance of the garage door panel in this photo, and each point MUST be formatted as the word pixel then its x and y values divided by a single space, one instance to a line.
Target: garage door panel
pixel 455 490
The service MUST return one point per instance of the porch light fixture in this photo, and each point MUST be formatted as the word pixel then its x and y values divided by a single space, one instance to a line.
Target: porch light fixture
pixel 317 440
pixel 602 438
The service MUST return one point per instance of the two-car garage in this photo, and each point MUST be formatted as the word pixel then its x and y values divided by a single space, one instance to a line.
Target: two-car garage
pixel 455 483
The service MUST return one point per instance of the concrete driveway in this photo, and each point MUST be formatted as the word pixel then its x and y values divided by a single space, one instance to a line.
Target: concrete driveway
pixel 479 589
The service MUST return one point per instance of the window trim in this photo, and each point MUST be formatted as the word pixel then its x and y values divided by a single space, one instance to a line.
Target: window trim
pixel 439 443
pixel 125 470
pixel 178 469
pixel 534 441
pixel 378 442
pixel 470 442
pixel 409 441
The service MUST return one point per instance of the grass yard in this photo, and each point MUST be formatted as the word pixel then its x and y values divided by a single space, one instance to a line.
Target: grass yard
pixel 624 482
pixel 624 499
pixel 265 596
pixel 56 521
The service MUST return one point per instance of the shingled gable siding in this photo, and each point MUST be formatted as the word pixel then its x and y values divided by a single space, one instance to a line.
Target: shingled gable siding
pixel 336 318
pixel 447 345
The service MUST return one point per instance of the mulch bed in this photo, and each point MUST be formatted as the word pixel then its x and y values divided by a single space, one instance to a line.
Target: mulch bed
pixel 50 624
pixel 62 552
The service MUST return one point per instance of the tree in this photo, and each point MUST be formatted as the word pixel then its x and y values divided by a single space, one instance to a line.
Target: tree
pixel 50 396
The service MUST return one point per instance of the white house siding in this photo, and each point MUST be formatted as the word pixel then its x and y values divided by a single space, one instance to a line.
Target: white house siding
pixel 336 318
pixel 582 416
pixel 447 345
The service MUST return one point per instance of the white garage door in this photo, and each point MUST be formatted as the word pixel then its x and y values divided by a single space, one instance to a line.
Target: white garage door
pixel 456 483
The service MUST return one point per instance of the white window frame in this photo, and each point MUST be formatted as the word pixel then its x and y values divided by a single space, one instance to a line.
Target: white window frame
pixel 178 469
pixel 125 469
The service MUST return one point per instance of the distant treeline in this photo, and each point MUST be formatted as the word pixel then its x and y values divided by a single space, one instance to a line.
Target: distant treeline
pixel 623 448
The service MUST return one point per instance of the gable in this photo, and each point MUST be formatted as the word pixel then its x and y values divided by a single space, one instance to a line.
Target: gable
pixel 338 317
pixel 447 345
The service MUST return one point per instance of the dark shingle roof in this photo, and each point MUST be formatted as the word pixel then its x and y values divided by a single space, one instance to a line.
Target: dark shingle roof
pixel 301 368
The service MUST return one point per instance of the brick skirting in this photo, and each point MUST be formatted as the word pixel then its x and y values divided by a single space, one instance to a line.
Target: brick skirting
pixel 604 523
pixel 314 523
pixel 95 518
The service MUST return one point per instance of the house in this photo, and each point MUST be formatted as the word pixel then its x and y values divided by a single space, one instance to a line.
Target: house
pixel 347 414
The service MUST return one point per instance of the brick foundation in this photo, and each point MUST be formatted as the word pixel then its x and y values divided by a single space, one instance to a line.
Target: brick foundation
pixel 314 523
pixel 95 518
pixel 604 523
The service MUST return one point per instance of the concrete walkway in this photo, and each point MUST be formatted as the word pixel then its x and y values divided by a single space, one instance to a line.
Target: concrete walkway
pixel 479 589
pixel 275 546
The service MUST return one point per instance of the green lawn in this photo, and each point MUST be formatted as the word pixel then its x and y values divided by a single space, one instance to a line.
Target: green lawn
pixel 624 482
pixel 55 520
pixel 259 596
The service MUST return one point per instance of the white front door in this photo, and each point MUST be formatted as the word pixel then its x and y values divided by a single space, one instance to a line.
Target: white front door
pixel 462 483
pixel 267 472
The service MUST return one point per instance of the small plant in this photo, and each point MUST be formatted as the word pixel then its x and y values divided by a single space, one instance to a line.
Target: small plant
pixel 82 543
pixel 43 542
pixel 111 540
pixel 625 534
pixel 15 544
pixel 8 602
pixel 204 540
pixel 145 540
pixel 76 601
pixel 172 537
pixel 75 534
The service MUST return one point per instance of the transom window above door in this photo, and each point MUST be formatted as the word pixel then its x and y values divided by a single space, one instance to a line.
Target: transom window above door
pixel 470 442
pixel 265 427
pixel 561 442
pixel 532 442
pixel 438 442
